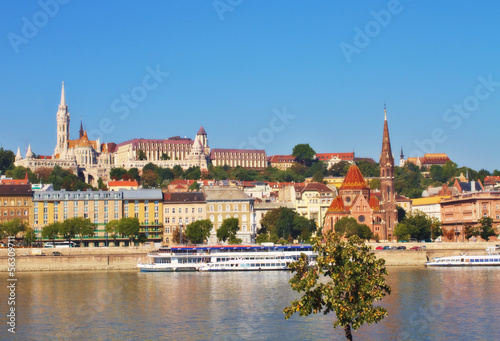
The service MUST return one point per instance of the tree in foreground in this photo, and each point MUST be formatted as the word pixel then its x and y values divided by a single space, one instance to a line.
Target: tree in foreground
pixel 51 231
pixel 129 227
pixel 486 228
pixel 198 231
pixel 228 230
pixel 13 227
pixel 349 226
pixel 358 279
pixel 111 229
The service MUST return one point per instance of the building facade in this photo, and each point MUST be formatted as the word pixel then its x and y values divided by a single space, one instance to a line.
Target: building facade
pixel 16 201
pixel 246 158
pixel 312 201
pixel 180 210
pixel 466 209
pixel 223 203
pixel 145 205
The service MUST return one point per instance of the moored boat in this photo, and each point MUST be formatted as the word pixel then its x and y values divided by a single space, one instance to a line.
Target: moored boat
pixel 492 258
pixel 224 258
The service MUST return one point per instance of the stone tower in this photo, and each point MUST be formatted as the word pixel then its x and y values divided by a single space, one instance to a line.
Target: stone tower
pixel 388 206
pixel 62 127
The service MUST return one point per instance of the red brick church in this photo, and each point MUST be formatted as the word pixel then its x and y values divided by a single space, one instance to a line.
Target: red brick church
pixel 379 211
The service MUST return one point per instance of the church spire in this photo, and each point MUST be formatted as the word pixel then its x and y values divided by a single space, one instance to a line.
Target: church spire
pixel 386 155
pixel 81 127
pixel 63 97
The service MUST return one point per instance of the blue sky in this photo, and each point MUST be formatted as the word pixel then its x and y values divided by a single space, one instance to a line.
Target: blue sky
pixel 257 73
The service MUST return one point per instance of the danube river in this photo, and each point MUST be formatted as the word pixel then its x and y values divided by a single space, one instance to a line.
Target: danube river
pixel 425 304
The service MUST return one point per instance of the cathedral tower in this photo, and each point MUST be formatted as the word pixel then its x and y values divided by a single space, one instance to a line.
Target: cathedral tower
pixel 62 127
pixel 388 206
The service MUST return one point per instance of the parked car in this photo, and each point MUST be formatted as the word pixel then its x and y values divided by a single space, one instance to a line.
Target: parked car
pixel 415 248
pixel 401 247
pixel 387 247
pixel 56 253
pixel 379 248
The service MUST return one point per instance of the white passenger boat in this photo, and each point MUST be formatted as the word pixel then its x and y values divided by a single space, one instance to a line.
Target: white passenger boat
pixel 492 258
pixel 224 258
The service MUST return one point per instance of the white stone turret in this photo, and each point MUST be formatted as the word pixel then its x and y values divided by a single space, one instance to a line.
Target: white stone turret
pixel 29 153
pixel 18 155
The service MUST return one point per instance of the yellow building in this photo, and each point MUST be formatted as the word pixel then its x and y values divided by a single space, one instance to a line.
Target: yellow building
pixel 145 205
pixel 223 203
pixel 16 202
pixel 98 206
pixel 431 206
pixel 180 210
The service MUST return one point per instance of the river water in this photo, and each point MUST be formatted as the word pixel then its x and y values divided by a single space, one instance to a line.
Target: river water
pixel 425 304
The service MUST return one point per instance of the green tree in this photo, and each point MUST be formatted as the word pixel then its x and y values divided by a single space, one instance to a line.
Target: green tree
pixel 318 177
pixel 349 226
pixel 7 158
pixel 436 230
pixel 165 156
pixel 178 172
pixel 486 229
pixel 401 232
pixel 29 236
pixel 197 232
pixel 51 231
pixel 141 156
pixel 339 169
pixel 111 228
pixel 69 228
pixel 437 173
pixel 356 280
pixel 304 153
pixel 192 173
pixel 195 186
pixel 117 173
pixel 133 173
pixel 101 185
pixel 84 228
pixel 401 214
pixel 228 230
pixel 13 227
pixel 419 225
pixel 129 227
pixel 471 231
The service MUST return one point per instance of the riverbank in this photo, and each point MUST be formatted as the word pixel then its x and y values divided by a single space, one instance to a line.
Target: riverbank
pixel 126 258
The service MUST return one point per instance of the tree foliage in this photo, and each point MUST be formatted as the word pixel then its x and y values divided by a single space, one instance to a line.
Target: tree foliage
pixel 7 158
pixel 199 231
pixel 12 227
pixel 349 226
pixel 228 230
pixel 486 230
pixel 303 153
pixel 287 224
pixel 356 279
pixel 129 227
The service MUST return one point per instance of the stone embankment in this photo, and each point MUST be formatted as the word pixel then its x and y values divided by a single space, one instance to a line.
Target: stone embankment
pixel 126 258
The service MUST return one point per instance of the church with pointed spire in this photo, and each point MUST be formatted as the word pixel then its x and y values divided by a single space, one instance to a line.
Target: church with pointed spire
pixel 388 207
pixel 377 210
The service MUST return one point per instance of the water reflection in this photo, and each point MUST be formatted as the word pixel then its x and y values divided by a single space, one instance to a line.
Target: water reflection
pixel 425 304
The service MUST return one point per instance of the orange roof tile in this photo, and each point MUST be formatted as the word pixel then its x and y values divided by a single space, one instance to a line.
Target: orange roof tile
pixel 337 205
pixel 354 179
pixel 374 203
pixel 123 183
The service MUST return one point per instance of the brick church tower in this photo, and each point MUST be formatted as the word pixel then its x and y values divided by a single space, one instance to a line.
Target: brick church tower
pixel 388 206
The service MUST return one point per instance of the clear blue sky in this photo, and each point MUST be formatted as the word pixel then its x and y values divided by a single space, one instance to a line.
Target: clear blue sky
pixel 232 65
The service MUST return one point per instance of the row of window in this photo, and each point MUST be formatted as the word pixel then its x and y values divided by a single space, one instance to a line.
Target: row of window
pixel 228 208
pixel 67 196
pixel 180 210
pixel 12 212
pixel 180 220
pixel 13 202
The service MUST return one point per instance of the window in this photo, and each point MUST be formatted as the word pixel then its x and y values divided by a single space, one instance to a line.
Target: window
pixel 235 208
pixel 85 203
pixel 484 206
pixel 65 204
pixel 186 210
pixel 146 202
pixel 167 210
pixel 219 208
pixel 85 209
pixel 116 216
pixel 211 208
pixel 167 220
pixel 146 215
pixel 106 216
pixel 146 208
pixel 35 210
pixel 105 203
pixel 136 215
pixel 173 209
pixel 173 220
pixel 125 209
pixel 228 207
pixel 96 203
pixel 167 229
pixel 156 208
pixel 200 210
pixel 187 220
pixel 45 204
pixel 136 208
pixel 105 209
pixel 192 210
pixel 116 208
pixel 243 207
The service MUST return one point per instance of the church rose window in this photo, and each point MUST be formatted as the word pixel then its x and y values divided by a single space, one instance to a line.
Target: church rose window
pixel 361 218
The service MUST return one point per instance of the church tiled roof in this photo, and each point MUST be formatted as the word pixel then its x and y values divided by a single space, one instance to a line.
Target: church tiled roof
pixel 337 205
pixel 354 179
pixel 374 204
